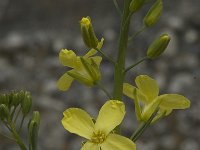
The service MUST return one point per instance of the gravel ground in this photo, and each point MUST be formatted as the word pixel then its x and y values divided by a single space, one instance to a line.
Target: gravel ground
pixel 33 32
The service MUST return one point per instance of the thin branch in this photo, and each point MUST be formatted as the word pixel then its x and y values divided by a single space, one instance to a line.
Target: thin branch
pixel 21 124
pixel 143 126
pixel 136 34
pixel 106 56
pixel 117 7
pixel 135 64
pixel 6 136
pixel 17 115
pixel 100 86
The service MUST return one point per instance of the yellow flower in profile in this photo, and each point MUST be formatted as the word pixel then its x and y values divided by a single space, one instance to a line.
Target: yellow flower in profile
pixel 85 69
pixel 147 100
pixel 99 134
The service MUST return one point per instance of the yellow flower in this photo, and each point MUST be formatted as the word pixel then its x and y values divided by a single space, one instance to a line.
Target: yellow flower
pixel 99 134
pixel 147 100
pixel 85 69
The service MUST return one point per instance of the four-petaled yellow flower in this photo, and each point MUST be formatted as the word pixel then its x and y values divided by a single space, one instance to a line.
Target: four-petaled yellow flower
pixel 147 100
pixel 99 134
pixel 85 69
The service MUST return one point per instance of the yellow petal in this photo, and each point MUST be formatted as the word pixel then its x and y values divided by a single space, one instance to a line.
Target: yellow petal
pixel 150 109
pixel 90 146
pixel 110 116
pixel 64 82
pixel 67 58
pixel 117 142
pixel 90 53
pixel 174 101
pixel 161 113
pixel 78 121
pixel 138 110
pixel 147 86
pixel 93 51
pixel 128 90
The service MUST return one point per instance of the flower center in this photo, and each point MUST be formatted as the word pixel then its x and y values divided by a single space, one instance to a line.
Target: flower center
pixel 98 137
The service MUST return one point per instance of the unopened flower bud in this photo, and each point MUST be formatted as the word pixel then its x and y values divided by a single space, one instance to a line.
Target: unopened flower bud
pixel 135 5
pixel 88 33
pixel 36 117
pixel 4 112
pixel 158 46
pixel 26 103
pixel 33 129
pixel 14 99
pixel 4 99
pixel 153 14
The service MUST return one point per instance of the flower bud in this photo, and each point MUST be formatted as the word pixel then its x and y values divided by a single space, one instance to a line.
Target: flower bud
pixel 153 14
pixel 4 112
pixel 14 99
pixel 88 33
pixel 158 46
pixel 26 103
pixel 4 99
pixel 33 129
pixel 135 5
pixel 36 117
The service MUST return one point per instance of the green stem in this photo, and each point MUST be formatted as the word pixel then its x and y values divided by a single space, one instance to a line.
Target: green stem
pixel 1 134
pixel 135 64
pixel 100 86
pixel 16 136
pixel 106 56
pixel 117 7
pixel 21 124
pixel 143 126
pixel 136 34
pixel 123 40
pixel 17 114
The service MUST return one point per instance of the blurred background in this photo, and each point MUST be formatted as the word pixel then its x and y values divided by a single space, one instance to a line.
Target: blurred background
pixel 33 32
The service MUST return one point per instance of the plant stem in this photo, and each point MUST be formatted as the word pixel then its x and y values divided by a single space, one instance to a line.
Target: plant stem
pixel 123 39
pixel 17 114
pixel 135 64
pixel 143 126
pixel 100 86
pixel 117 7
pixel 21 124
pixel 6 136
pixel 136 34
pixel 16 135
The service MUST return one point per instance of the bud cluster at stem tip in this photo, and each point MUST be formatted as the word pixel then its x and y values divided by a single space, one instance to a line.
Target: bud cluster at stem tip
pixel 10 101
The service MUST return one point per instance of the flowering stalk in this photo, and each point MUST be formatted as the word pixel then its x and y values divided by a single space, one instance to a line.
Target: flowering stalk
pixel 122 47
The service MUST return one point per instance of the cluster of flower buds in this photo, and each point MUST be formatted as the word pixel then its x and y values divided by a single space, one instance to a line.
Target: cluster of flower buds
pixel 10 101
pixel 11 106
